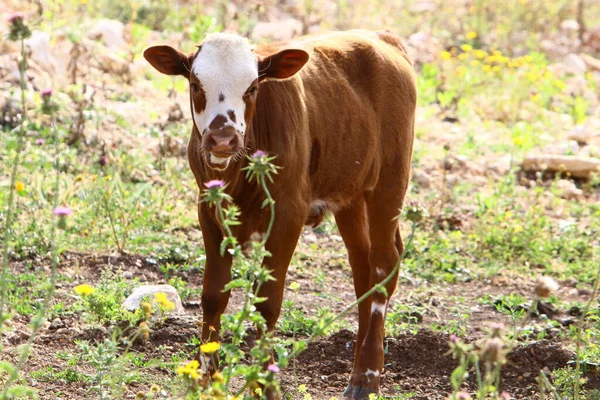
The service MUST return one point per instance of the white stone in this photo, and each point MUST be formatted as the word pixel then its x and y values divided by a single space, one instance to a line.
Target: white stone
pixel 134 300
pixel 110 32
pixel 575 63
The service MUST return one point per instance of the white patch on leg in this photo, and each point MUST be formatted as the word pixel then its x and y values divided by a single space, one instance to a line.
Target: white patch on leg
pixel 381 272
pixel 371 373
pixel 254 237
pixel 378 308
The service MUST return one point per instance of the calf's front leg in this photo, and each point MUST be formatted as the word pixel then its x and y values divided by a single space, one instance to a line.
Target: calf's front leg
pixel 217 273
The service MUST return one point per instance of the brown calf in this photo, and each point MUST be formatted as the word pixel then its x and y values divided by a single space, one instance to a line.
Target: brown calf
pixel 338 112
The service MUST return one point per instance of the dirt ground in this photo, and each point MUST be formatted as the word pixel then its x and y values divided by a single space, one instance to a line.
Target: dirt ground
pixel 416 363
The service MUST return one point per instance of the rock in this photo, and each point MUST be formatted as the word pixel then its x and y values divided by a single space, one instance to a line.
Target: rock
pixel 62 331
pixel 310 238
pixel 40 51
pixel 575 63
pixel 591 62
pixel 578 167
pixel 422 178
pixel 336 238
pixel 579 134
pixel 110 32
pixel 56 324
pixel 132 302
pixel 277 31
pixel 127 274
pixel 569 25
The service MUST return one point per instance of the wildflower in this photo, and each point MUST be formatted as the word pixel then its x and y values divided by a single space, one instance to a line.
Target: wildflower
pixel 161 298
pixel 445 55
pixel 492 351
pixel 487 68
pixel 415 213
pixel 545 286
pixel 61 212
pixel 460 71
pixel 144 329
pixel 18 29
pixel 466 48
pixel 463 56
pixel 190 369
pixel 504 396
pixel 475 63
pixel 39 141
pixel 463 396
pixel 217 377
pixel 260 166
pixel 140 395
pixel 496 68
pixel 84 289
pixel 155 388
pixel 471 35
pixel 294 286
pixel 48 106
pixel 146 307
pixel 215 183
pixel 46 93
pixel 211 347
pixel 273 368
pixel 19 186
pixel 454 338
pixel 258 154
pixel 480 54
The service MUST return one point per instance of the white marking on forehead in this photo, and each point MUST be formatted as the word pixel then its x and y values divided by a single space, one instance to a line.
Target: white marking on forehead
pixel 378 308
pixel 225 65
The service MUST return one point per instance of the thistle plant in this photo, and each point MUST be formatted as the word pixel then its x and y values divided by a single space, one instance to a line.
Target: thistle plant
pixel 250 276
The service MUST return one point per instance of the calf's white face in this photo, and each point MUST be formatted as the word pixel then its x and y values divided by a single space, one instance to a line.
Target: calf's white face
pixel 224 75
pixel 225 68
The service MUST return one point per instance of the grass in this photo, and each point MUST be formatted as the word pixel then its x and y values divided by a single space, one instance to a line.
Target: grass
pixel 140 199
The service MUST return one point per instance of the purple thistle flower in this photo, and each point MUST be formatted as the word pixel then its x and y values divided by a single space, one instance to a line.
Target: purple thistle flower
pixel 16 17
pixel 62 211
pixel 215 183
pixel 102 161
pixel 258 154
pixel 46 93
pixel 273 368
pixel 454 338
pixel 40 141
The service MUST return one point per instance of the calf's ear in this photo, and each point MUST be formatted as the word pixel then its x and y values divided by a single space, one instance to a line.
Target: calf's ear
pixel 168 60
pixel 282 65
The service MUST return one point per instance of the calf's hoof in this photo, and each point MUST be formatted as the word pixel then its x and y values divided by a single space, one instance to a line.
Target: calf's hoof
pixel 358 392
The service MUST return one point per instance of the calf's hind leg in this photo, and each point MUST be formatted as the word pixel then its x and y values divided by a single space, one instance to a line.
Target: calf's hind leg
pixel 384 253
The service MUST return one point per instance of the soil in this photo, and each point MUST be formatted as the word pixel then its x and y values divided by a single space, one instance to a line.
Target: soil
pixel 417 363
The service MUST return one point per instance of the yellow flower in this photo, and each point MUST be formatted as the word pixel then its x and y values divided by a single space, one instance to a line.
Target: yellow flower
pixel 463 56
pixel 445 55
pixel 466 48
pixel 190 369
pixel 471 35
pixel 84 289
pixel 496 68
pixel 460 70
pixel 480 53
pixel 162 299
pixel 155 388
pixel 210 348
pixel 475 63
pixel 487 68
pixel 19 186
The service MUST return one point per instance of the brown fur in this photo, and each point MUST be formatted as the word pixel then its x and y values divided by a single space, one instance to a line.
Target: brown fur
pixel 342 132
